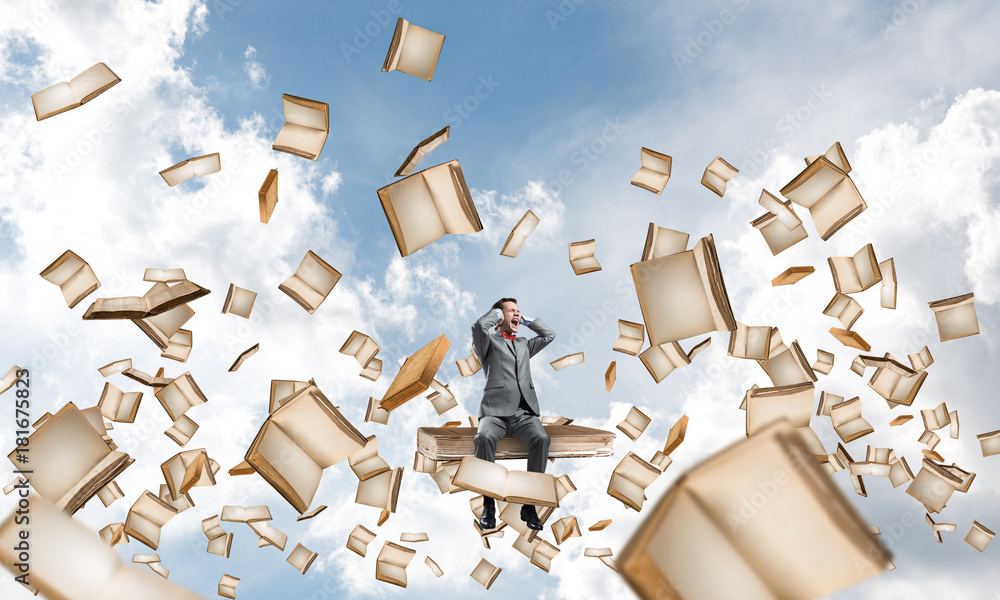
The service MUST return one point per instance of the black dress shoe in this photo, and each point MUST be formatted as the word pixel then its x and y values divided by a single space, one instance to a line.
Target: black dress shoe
pixel 529 516
pixel 489 518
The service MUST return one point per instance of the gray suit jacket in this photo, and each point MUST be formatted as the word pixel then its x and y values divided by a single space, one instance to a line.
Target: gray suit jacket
pixel 507 365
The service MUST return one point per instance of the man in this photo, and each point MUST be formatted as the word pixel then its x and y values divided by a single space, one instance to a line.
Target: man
pixel 509 402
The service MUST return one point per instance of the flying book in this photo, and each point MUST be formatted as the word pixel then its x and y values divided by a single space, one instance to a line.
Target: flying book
pixel 921 360
pixel 114 534
pixel 804 541
pixel 423 149
pixel 301 558
pixel 164 275
pixel 634 424
pixel 155 302
pixel 844 308
pixel 361 347
pixel 312 282
pixel 302 437
pixel 827 400
pixel 373 370
pixel 979 536
pixel 989 442
pixel 307 125
pixel 75 278
pixel 565 528
pixel 219 542
pixel 245 514
pixel 895 382
pixel 610 375
pixel 716 174
pixel 390 566
pixel 468 367
pixel 654 172
pixel 162 327
pixel 359 539
pixel 661 360
pixel 441 398
pixel 375 413
pixel 239 301
pixel 888 291
pixel 494 480
pixel 178 396
pixel 78 91
pixel 227 586
pixel 485 573
pixel 936 418
pixel 683 295
pixel 792 403
pixel 661 242
pixel 414 51
pixel 856 273
pixel 268 535
pixel 519 234
pixel 106 371
pixel 786 365
pixel 182 431
pixel 416 374
pixel 848 422
pixel 433 566
pixel 929 439
pixel 243 357
pixel 934 485
pixel 792 275
pixel 630 479
pixel 956 317
pixel 199 166
pixel 750 342
pixel 542 555
pixel 267 196
pixel 581 257
pixel 826 189
pixel 366 463
pixel 69 459
pixel 118 406
pixel 630 337
pixel 824 362
pixel 179 346
pixel 423 207
pixel 567 361
pixel 146 517
pixel 188 469
pixel 851 339
pixel 71 562
pixel 780 226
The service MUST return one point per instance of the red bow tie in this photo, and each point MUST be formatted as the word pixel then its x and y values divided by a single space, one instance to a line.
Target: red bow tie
pixel 509 336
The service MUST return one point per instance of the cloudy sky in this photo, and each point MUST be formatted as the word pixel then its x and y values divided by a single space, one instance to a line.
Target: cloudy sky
pixel 548 104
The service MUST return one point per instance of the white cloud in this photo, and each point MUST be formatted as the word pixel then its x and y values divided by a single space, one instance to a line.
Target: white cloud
pixel 332 182
pixel 255 70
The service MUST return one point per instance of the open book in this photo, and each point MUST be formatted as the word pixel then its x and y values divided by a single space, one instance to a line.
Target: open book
pixel 888 292
pixel 243 357
pixel 366 463
pixel 312 282
pixel 155 302
pixel 390 566
pixel 792 403
pixel 380 491
pixel 630 479
pixel 494 480
pixel 956 317
pixel 421 150
pixel 119 406
pixel 856 273
pixel 198 166
pixel 267 196
pixel 414 50
pixel 661 241
pixel 69 459
pixel 567 361
pixel 750 342
pixel 716 174
pixel 634 424
pixel 485 573
pixel 178 345
pixel 654 172
pixel 239 301
pixel 423 207
pixel 182 431
pixel 630 337
pixel 661 360
pixel 519 234
pixel 188 469
pixel 301 558
pixel 178 396
pixel 155 275
pixel 825 188
pixel 71 562
pixel 705 539
pixel 844 308
pixel 581 257
pixel 307 125
pixel 468 367
pixel 359 539
pixel 75 278
pixel 824 362
pixel 146 517
pixel 416 374
pixel 683 294
pixel 895 382
pixel 78 91
pixel 848 422
pixel 780 226
pixel 302 437
pixel 361 347
pixel 161 328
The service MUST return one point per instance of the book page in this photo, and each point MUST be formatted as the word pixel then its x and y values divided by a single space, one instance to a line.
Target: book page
pixel 662 241
pixel 484 477
pixel 417 220
pixel 314 272
pixel 448 200
pixel 842 200
pixel 419 51
pixel 810 186
pixel 846 274
pixel 68 265
pixel 655 161
pixel 866 265
pixel 304 114
pixel 295 466
pixel 305 140
pixel 169 322
pixel 92 82
pixel 650 179
pixel 54 100
pixel 672 297
pixel 316 431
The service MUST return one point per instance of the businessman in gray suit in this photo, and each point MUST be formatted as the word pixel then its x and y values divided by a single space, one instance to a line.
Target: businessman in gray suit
pixel 509 402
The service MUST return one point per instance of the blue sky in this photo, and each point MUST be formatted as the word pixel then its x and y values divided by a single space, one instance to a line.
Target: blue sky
pixel 567 95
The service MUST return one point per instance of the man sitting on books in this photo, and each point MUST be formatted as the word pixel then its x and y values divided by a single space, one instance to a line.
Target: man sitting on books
pixel 509 402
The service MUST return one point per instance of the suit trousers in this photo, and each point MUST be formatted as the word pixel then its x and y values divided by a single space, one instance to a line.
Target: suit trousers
pixel 525 426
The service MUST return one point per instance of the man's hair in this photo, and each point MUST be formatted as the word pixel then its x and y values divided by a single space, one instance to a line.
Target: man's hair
pixel 499 303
